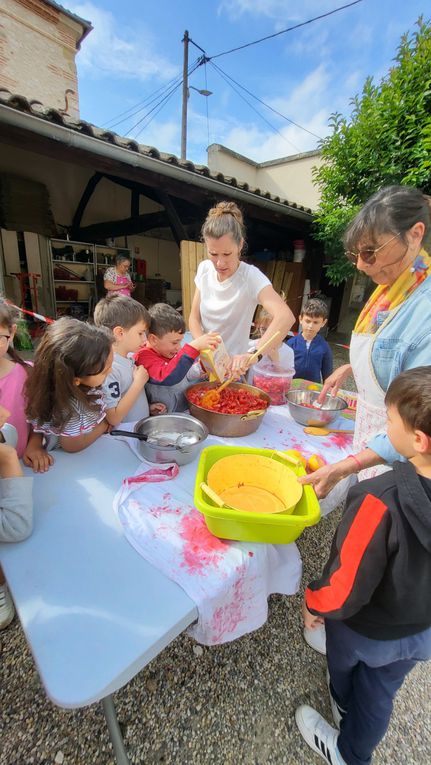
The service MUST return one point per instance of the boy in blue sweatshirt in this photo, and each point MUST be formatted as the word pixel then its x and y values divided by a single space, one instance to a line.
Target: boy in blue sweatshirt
pixel 313 356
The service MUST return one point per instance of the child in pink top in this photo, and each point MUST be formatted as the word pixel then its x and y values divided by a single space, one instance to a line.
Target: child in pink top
pixel 13 375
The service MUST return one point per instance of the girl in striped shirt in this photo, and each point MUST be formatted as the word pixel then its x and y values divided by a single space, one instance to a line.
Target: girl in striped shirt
pixel 64 390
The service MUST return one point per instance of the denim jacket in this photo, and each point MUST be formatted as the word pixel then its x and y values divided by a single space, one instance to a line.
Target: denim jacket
pixel 402 342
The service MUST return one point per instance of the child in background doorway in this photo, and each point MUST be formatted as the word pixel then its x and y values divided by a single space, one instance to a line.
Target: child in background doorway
pixel 64 396
pixel 13 375
pixel 313 356
pixel 124 388
pixel 168 364
pixel 374 593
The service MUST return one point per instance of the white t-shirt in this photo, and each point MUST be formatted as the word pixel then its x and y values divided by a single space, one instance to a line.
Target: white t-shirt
pixel 118 383
pixel 228 307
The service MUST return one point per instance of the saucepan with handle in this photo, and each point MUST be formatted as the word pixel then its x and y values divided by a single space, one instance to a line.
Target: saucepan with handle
pixel 168 437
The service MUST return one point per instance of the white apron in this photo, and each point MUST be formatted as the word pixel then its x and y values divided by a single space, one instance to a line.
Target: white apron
pixel 371 411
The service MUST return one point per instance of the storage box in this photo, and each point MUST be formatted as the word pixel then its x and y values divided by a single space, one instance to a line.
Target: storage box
pixel 216 363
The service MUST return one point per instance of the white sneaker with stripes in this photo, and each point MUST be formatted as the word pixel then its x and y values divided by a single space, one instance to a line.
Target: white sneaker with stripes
pixel 318 734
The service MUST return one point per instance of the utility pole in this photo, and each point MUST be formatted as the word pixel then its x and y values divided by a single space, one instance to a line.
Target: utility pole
pixel 185 96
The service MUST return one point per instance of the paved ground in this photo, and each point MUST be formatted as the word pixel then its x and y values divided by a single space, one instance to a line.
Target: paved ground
pixel 228 705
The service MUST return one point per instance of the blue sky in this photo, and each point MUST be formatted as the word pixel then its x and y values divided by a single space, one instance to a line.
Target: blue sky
pixel 135 49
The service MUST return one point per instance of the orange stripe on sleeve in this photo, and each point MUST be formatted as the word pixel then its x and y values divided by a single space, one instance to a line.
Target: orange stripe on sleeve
pixel 334 595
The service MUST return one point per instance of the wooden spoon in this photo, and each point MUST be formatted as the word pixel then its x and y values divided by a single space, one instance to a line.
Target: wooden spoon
pixel 264 345
pixel 212 397
pixel 325 431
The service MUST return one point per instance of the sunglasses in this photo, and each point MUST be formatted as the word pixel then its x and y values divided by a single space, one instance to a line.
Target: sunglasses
pixel 368 254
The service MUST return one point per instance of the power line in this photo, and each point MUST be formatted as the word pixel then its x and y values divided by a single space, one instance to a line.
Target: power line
pixel 140 104
pixel 292 122
pixel 167 98
pixel 157 94
pixel 253 108
pixel 283 31
pixel 162 102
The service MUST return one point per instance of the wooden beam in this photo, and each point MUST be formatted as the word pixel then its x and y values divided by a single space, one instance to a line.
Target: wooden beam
pixel 125 227
pixel 177 228
pixel 83 202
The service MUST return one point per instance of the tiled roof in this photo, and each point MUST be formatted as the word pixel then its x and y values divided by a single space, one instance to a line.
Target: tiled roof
pixel 86 25
pixel 36 109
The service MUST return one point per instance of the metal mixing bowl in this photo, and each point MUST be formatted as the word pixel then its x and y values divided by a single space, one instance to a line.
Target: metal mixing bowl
pixel 331 407
pixel 168 428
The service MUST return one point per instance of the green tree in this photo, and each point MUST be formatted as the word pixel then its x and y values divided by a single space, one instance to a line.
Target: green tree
pixel 386 140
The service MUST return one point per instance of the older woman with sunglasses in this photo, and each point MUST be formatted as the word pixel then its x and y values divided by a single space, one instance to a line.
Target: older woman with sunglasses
pixel 393 331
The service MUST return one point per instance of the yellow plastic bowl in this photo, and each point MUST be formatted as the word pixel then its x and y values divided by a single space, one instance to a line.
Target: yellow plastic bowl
pixel 247 526
pixel 256 483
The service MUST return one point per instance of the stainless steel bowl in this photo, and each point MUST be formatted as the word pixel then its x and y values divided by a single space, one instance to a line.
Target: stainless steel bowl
pixel 331 407
pixel 168 428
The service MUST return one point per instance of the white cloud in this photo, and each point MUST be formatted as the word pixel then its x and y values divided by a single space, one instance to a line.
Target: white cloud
pixel 165 136
pixel 277 10
pixel 306 98
pixel 130 54
pixel 264 145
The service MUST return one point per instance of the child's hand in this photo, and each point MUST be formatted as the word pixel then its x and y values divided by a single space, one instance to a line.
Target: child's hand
pixel 209 340
pixel 158 408
pixel 140 376
pixel 37 458
pixel 310 621
pixel 9 463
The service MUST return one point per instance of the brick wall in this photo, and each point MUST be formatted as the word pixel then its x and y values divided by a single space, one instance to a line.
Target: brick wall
pixel 37 53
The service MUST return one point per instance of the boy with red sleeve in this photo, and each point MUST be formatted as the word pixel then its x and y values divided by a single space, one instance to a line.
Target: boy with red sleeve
pixel 168 364
pixel 374 594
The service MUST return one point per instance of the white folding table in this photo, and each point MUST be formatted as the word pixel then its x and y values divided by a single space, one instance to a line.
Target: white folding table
pixel 94 612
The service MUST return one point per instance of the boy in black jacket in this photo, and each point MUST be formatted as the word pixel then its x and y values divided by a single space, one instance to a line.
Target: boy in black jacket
pixel 374 594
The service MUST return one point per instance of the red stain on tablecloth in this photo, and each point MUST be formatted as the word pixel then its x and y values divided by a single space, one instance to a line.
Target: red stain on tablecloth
pixel 340 440
pixel 300 446
pixel 201 548
pixel 227 617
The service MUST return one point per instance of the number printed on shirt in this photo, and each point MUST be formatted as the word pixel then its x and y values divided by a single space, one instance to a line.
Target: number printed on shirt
pixel 114 389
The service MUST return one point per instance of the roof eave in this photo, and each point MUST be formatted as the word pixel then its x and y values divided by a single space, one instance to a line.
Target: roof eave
pixel 96 146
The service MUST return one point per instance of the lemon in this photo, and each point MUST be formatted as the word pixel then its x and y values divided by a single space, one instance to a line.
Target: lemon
pixel 315 462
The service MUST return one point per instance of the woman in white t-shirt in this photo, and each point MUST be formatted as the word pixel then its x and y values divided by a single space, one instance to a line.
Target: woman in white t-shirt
pixel 228 290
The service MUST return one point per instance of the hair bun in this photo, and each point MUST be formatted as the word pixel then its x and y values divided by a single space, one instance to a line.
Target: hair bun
pixel 227 208
pixel 225 218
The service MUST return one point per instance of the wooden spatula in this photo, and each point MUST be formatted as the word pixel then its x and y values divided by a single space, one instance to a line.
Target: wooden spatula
pixel 212 397
pixel 315 431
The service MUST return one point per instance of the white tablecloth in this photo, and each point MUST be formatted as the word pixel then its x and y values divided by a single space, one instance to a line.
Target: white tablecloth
pixel 229 581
